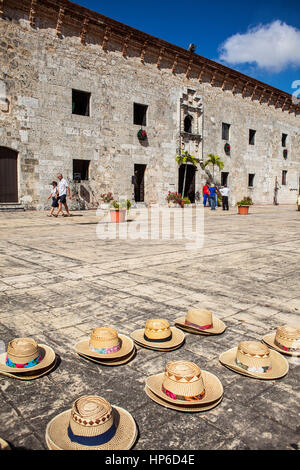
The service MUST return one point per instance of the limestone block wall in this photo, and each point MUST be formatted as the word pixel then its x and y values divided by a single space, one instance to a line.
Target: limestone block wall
pixel 39 69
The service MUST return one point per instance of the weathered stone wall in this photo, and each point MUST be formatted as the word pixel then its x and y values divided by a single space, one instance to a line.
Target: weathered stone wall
pixel 38 70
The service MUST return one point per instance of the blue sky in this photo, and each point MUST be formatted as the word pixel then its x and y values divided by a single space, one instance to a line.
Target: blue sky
pixel 259 38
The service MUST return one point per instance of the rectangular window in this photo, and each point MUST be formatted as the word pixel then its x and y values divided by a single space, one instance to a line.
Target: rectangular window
pixel 284 177
pixel 224 178
pixel 251 180
pixel 140 114
pixel 81 102
pixel 252 137
pixel 283 140
pixel 81 170
pixel 225 131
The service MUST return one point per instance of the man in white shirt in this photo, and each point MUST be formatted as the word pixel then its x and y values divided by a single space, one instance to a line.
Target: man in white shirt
pixel 63 188
pixel 225 193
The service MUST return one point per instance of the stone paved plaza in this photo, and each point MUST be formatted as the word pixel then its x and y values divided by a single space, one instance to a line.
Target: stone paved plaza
pixel 59 281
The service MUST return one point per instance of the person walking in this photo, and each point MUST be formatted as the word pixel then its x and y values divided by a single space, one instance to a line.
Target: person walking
pixel 205 192
pixel 225 196
pixel 54 196
pixel 212 197
pixel 63 188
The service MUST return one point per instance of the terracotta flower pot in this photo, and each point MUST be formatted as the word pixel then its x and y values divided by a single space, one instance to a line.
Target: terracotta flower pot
pixel 118 215
pixel 243 209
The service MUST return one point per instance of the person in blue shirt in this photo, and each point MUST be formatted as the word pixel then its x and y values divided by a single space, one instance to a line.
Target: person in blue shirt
pixel 212 197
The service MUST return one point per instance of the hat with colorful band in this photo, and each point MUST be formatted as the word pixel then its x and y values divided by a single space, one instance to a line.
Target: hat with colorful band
pixel 188 408
pixel 201 321
pixel 105 343
pixel 25 356
pixel 92 424
pixel 286 340
pixel 183 383
pixel 112 362
pixel 255 359
pixel 158 334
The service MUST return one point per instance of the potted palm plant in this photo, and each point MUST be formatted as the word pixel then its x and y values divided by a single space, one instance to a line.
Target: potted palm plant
pixel 244 204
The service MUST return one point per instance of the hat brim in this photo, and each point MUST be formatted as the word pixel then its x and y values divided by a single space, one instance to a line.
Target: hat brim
pixel 4 445
pixel 218 327
pixel 30 375
pixel 113 362
pixel 158 349
pixel 184 408
pixel 57 433
pixel 127 346
pixel 177 339
pixel 48 357
pixel 270 341
pixel 212 385
pixel 279 369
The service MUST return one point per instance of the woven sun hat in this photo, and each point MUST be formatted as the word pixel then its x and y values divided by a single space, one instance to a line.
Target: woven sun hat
pixel 158 334
pixel 183 383
pixel 25 357
pixel 201 321
pixel 92 424
pixel 4 445
pixel 255 359
pixel 105 343
pixel 286 340
pixel 112 362
pixel 184 408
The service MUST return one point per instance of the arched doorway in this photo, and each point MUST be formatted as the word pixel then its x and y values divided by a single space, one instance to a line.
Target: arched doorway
pixel 8 175
pixel 189 172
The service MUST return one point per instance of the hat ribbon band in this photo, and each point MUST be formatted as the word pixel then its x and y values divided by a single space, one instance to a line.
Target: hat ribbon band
pixel 204 327
pixel 32 363
pixel 285 348
pixel 182 397
pixel 92 440
pixel 112 350
pixel 260 370
pixel 160 340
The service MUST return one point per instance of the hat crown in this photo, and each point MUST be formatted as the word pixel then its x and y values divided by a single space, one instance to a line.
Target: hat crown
pixel 183 378
pixel 157 328
pixel 90 412
pixel 22 350
pixel 199 316
pixel 289 332
pixel 254 348
pixel 104 338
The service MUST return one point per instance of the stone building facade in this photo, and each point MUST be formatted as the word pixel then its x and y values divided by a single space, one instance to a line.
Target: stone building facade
pixel 76 87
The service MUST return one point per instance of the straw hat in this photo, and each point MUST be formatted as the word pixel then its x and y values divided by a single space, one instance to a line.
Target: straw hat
pixel 185 408
pixel 183 383
pixel 4 445
pixel 286 340
pixel 158 334
pixel 255 359
pixel 201 321
pixel 26 359
pixel 105 343
pixel 92 424
pixel 112 362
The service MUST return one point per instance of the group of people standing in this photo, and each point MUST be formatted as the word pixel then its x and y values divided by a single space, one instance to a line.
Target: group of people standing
pixel 59 197
pixel 210 195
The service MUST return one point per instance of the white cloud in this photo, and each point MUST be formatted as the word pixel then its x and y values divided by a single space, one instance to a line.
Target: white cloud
pixel 274 46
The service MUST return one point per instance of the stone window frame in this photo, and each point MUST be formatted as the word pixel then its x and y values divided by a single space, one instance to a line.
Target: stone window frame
pixel 252 137
pixel 284 139
pixel 86 170
pixel 145 117
pixel 87 94
pixel 284 177
pixel 251 178
pixel 226 131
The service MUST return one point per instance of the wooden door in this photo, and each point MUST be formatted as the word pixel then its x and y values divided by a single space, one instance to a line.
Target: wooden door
pixel 8 175
pixel 190 177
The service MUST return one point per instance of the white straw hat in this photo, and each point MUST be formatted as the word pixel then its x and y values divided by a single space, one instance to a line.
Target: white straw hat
pixel 105 343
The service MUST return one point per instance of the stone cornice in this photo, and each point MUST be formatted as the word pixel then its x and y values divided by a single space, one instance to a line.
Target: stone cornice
pixel 69 12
